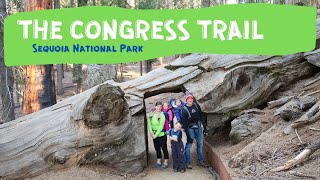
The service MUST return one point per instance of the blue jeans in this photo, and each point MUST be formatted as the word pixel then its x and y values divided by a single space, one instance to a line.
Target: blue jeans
pixel 194 134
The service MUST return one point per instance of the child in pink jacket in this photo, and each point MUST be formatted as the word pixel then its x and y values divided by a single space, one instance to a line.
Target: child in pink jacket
pixel 169 116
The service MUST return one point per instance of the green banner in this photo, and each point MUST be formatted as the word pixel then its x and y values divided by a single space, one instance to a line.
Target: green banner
pixel 109 35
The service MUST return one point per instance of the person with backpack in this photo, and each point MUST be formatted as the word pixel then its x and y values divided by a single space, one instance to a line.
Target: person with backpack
pixel 167 109
pixel 177 149
pixel 156 122
pixel 192 120
pixel 177 106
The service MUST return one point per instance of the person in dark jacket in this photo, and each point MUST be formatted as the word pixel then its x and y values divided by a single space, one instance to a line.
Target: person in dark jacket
pixel 192 121
pixel 177 148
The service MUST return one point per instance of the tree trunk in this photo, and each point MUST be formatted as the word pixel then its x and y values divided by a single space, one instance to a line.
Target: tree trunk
pixel 141 69
pixel 59 66
pixel 121 72
pixel 30 93
pixel 77 68
pixel 34 5
pixel 48 96
pixel 6 74
pixel 98 74
pixel 148 66
pixel 59 79
pixel 70 3
pixel 83 129
pixel 16 77
pixel 32 86
pixel 77 76
pixel 57 4
pixel 82 3
pixel 279 102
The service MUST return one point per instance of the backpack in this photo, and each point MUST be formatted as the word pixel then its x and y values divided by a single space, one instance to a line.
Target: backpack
pixel 185 108
pixel 193 125
pixel 166 114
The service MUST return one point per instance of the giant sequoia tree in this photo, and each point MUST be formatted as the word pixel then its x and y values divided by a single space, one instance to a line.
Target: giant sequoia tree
pixel 6 74
pixel 38 94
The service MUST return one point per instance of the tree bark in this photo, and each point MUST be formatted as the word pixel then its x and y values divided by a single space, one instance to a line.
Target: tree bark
pixel 279 102
pixel 77 68
pixel 98 74
pixel 57 4
pixel 141 69
pixel 59 79
pixel 30 93
pixel 148 65
pixel 32 88
pixel 34 5
pixel 70 3
pixel 59 66
pixel 82 3
pixel 77 76
pixel 82 129
pixel 6 75
pixel 299 158
pixel 48 96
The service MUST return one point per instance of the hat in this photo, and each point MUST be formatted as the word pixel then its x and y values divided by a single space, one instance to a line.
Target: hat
pixel 189 96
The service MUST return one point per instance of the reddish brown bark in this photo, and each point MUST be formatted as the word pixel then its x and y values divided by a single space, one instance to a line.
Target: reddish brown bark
pixel 35 5
pixel 33 87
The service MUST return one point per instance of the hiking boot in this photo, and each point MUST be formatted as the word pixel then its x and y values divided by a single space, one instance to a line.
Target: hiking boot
pixel 202 164
pixel 164 166
pixel 183 170
pixel 157 165
pixel 189 165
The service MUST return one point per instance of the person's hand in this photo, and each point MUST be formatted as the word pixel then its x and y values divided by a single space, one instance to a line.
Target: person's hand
pixel 153 136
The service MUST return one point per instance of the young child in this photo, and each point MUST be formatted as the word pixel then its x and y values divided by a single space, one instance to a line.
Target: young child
pixel 177 149
pixel 167 109
pixel 177 105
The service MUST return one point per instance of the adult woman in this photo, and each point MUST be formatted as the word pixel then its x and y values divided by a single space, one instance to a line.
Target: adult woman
pixel 156 122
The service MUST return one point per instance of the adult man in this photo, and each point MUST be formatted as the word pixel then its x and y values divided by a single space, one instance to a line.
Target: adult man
pixel 192 120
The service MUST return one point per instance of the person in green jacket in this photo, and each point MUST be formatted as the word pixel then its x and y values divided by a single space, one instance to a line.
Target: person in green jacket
pixel 156 122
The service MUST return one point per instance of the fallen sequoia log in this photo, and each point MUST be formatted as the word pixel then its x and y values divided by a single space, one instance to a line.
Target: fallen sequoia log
pixel 299 158
pixel 295 107
pixel 106 124
pixel 94 127
pixel 311 116
pixel 279 102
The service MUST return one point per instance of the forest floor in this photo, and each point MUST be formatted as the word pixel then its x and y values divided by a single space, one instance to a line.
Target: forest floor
pixel 262 152
pixel 102 172
pixel 271 147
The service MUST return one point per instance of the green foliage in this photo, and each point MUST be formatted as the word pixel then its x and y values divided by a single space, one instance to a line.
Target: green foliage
pixel 116 3
pixel 148 4
pixel 303 3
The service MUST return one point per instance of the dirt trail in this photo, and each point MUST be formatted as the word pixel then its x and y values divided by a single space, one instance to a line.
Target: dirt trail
pixel 101 172
pixel 197 172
